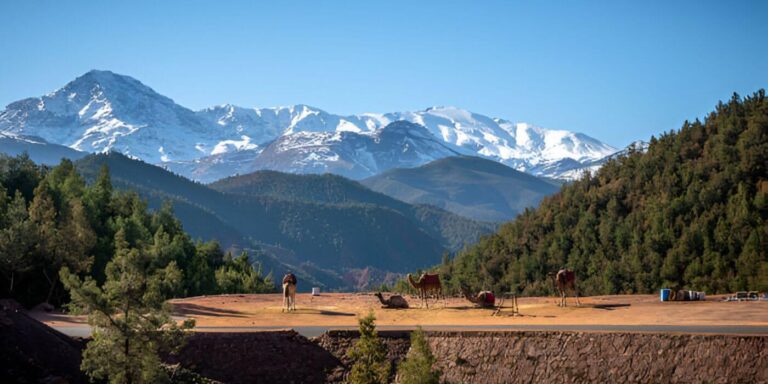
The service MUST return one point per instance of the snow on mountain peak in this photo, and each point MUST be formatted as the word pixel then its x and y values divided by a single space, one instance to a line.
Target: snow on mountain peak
pixel 102 111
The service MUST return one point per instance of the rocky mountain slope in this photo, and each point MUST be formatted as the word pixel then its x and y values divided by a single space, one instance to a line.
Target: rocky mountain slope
pixel 101 111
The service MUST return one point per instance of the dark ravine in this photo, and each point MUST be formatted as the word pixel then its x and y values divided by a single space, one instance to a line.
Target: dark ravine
pixel 488 357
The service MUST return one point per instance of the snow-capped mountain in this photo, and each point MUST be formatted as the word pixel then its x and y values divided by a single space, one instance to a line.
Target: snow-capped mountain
pixel 573 173
pixel 522 146
pixel 400 144
pixel 103 111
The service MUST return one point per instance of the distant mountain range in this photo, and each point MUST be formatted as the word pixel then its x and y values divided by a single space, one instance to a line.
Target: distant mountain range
pixel 473 187
pixel 38 149
pixel 327 228
pixel 101 111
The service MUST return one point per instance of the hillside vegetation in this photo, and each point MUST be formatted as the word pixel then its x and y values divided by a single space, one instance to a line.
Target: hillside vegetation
pixel 51 219
pixel 319 238
pixel 689 213
pixel 473 187
pixel 452 230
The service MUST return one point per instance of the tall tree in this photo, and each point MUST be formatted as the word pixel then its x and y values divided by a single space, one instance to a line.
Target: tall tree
pixel 417 366
pixel 369 354
pixel 131 320
pixel 98 203
pixel 15 239
pixel 238 275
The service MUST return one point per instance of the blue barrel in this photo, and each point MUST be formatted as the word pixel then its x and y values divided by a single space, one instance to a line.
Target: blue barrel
pixel 665 294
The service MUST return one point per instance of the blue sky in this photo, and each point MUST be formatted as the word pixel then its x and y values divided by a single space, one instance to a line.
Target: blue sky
pixel 616 70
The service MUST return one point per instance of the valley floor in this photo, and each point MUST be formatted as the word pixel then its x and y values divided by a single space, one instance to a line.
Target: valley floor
pixel 341 310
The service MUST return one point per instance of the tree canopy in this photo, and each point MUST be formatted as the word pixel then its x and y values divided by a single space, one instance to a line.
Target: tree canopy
pixel 50 219
pixel 690 212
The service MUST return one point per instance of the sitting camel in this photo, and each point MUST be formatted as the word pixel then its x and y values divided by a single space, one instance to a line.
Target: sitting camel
pixel 289 292
pixel 565 280
pixel 394 301
pixel 485 299
pixel 426 285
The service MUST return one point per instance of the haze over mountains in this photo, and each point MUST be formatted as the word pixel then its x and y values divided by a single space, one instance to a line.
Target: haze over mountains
pixel 101 111
pixel 473 187
pixel 326 228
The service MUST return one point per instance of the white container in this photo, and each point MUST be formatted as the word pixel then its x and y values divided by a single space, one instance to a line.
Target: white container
pixel 315 291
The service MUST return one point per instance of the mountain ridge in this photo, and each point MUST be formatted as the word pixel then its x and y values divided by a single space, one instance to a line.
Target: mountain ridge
pixel 102 110
pixel 300 234
pixel 469 186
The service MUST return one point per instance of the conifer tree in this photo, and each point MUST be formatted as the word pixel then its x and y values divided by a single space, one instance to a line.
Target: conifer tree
pixel 369 354
pixel 131 320
pixel 15 238
pixel 417 366
pixel 239 276
pixel 97 200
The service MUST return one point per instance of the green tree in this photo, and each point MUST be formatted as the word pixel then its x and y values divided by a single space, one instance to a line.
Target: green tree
pixel 239 276
pixel 129 314
pixel 417 366
pixel 689 212
pixel 200 274
pixel 15 239
pixel 63 237
pixel 369 354
pixel 98 203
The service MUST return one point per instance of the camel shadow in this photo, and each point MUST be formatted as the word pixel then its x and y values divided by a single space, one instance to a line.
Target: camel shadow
pixel 607 307
pixel 334 313
pixel 186 309
pixel 468 307
pixel 305 311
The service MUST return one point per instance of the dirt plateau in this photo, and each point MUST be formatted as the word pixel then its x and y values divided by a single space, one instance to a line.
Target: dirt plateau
pixel 488 357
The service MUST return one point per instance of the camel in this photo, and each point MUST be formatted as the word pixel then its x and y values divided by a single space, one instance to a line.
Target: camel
pixel 565 280
pixel 394 301
pixel 485 299
pixel 426 285
pixel 289 292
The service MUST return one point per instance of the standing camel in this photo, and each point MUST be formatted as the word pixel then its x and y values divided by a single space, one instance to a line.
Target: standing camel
pixel 289 292
pixel 426 285
pixel 394 301
pixel 563 281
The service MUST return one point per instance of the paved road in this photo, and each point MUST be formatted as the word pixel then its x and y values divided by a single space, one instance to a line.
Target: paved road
pixel 312 331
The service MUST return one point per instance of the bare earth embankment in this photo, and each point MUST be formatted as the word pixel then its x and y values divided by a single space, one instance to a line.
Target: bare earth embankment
pixel 625 339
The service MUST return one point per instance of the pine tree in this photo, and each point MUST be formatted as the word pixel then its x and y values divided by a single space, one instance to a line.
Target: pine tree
pixel 42 214
pixel 417 366
pixel 239 276
pixel 98 203
pixel 369 354
pixel 131 320
pixel 15 238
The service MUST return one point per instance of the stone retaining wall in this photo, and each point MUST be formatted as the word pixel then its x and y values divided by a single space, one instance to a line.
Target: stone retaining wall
pixel 573 357
pixel 488 357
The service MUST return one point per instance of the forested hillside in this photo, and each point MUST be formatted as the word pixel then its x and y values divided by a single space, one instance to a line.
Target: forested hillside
pixel 453 231
pixel 472 187
pixel 689 213
pixel 321 239
pixel 50 218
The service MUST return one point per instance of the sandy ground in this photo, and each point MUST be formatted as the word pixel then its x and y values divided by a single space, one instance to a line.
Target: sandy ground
pixel 343 309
